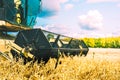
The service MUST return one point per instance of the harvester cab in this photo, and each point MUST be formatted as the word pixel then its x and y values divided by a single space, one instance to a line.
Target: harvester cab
pixel 18 15
pixel 34 44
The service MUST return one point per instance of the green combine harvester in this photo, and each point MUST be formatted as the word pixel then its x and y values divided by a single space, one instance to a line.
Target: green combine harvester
pixel 34 44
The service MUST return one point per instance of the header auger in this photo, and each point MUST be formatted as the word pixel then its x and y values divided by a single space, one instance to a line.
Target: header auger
pixel 34 44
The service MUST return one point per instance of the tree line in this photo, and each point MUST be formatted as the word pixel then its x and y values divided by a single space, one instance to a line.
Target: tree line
pixel 110 42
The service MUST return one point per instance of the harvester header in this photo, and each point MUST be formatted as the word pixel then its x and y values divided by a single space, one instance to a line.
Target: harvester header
pixel 34 44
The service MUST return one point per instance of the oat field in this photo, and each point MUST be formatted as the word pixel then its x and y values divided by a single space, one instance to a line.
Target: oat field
pixel 100 64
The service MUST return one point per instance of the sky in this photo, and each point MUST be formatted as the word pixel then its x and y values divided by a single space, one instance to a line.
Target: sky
pixel 80 18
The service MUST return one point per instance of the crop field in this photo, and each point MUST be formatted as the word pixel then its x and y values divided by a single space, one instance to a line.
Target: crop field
pixel 99 64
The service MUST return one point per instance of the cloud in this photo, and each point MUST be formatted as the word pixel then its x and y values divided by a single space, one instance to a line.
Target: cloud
pixel 77 33
pixel 118 5
pixel 57 28
pixel 50 7
pixel 75 0
pixel 69 31
pixel 93 20
pixel 97 1
pixel 69 6
pixel 61 29
pixel 116 33
pixel 63 1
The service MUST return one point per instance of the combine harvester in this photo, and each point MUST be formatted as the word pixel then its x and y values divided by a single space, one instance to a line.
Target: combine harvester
pixel 34 44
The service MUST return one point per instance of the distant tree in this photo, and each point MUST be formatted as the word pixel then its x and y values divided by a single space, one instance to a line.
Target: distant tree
pixel 98 42
pixel 75 44
pixel 90 42
pixel 50 36
pixel 110 42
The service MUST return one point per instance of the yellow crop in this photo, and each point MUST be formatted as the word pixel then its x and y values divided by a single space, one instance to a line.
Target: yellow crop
pixel 99 67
